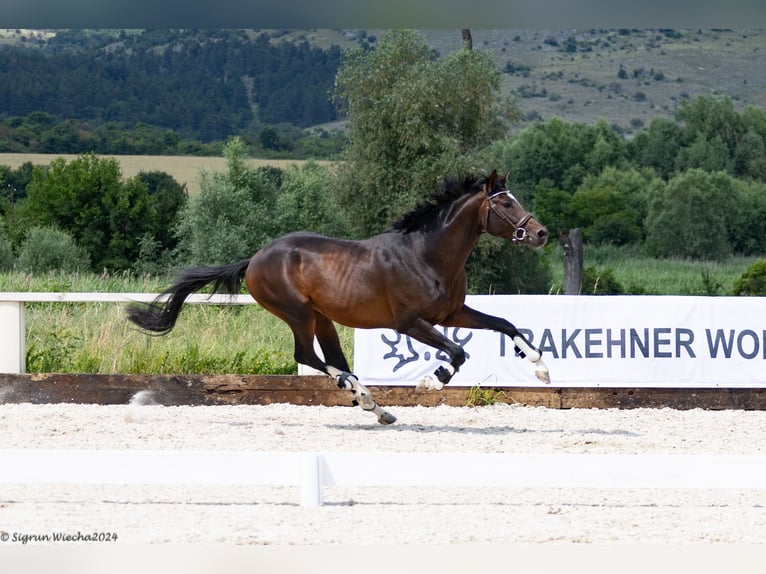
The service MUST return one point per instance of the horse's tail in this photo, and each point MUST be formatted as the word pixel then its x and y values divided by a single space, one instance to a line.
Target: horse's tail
pixel 160 315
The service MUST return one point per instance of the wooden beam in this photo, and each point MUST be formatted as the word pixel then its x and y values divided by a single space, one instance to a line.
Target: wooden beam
pixel 171 390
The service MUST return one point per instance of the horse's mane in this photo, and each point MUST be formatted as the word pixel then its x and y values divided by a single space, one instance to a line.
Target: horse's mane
pixel 425 215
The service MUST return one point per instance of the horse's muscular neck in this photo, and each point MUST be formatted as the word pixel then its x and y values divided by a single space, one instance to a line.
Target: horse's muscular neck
pixel 449 250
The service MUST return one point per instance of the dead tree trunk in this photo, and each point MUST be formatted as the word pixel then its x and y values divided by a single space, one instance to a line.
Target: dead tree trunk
pixel 573 259
pixel 467 39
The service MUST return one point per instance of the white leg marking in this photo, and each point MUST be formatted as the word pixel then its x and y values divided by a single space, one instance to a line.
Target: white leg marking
pixel 541 370
pixel 362 395
pixel 429 383
pixel 530 353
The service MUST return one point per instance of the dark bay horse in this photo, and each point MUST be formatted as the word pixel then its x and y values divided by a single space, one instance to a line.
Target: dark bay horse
pixel 409 278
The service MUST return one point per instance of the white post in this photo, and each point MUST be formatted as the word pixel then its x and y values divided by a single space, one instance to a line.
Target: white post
pixel 311 480
pixel 12 337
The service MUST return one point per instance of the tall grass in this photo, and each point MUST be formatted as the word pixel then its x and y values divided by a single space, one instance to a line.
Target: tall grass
pixel 97 338
pixel 639 274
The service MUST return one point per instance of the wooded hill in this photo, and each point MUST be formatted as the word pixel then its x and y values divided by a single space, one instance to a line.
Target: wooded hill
pixel 207 85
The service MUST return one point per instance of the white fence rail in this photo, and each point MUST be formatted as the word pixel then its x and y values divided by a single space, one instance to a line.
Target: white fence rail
pixel 312 472
pixel 13 324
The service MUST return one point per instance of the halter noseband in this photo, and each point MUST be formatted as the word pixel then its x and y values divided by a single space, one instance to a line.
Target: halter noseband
pixel 519 231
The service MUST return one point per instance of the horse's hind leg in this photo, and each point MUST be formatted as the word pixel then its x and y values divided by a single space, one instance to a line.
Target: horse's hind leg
pixel 337 367
pixel 335 363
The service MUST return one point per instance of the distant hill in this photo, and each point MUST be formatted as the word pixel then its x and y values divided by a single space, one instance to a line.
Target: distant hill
pixel 626 77
pixel 209 84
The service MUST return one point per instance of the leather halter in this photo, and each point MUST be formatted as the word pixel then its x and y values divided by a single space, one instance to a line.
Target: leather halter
pixel 519 229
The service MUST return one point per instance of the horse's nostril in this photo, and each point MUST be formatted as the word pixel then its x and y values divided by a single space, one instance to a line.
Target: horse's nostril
pixel 542 233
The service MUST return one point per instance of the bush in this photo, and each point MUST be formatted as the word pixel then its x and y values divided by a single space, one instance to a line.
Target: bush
pixel 753 280
pixel 47 249
pixel 600 282
pixel 497 266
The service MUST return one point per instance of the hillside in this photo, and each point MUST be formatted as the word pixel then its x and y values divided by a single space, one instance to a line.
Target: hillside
pixel 626 76
pixel 573 74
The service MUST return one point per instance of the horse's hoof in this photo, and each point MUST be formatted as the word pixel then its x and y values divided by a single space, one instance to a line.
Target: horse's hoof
pixel 428 383
pixel 365 401
pixel 386 418
pixel 543 376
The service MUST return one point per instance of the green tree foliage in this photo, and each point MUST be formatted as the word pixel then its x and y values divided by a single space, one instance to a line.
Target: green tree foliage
pixel 692 216
pixel 748 230
pixel 562 153
pixel 46 249
pixel 753 280
pixel 306 202
pixel 611 207
pixel 411 119
pixel 232 215
pixel 166 197
pixel 87 198
pixel 497 266
pixel 657 147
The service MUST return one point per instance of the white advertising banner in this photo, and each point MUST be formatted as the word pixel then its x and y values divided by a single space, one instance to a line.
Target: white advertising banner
pixel 589 341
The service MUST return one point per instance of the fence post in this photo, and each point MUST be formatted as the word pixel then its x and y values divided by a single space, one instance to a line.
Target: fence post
pixel 12 337
pixel 573 261
pixel 311 480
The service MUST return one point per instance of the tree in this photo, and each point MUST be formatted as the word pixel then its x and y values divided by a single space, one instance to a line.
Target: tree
pixel 231 216
pixel 560 152
pixel 167 197
pixel 692 216
pixel 88 199
pixel 412 118
pixel 306 202
pixel 611 207
pixel 657 147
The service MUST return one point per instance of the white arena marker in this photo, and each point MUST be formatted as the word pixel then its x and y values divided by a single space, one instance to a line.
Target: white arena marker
pixel 311 480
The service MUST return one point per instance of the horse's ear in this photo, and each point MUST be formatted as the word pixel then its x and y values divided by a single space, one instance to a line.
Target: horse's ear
pixel 505 178
pixel 492 182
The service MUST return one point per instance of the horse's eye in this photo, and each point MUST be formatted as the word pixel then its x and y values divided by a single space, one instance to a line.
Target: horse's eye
pixel 507 204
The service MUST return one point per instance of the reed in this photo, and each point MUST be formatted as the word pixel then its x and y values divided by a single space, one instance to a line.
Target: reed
pixel 639 274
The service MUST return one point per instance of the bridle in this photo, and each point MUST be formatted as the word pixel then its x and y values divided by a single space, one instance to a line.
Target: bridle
pixel 519 229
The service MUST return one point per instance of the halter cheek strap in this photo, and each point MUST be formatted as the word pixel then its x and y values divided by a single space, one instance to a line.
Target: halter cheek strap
pixel 519 231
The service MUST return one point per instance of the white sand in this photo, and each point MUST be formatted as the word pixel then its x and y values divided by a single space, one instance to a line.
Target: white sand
pixel 385 516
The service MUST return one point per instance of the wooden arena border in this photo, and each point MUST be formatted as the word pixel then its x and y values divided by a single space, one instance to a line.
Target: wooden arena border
pixel 171 390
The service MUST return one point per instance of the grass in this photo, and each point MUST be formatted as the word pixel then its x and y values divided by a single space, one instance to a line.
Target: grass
pixel 639 274
pixel 96 337
pixel 479 397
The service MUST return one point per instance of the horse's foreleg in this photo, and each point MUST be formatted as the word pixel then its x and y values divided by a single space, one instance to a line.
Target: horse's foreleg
pixel 473 319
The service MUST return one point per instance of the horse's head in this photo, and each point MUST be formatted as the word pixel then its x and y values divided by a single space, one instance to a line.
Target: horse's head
pixel 503 215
